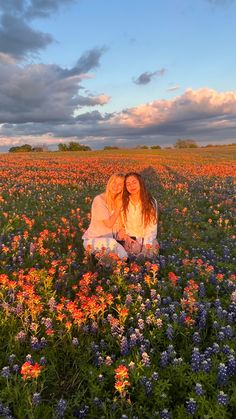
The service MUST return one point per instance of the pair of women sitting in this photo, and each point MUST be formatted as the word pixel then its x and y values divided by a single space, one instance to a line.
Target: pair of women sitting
pixel 123 218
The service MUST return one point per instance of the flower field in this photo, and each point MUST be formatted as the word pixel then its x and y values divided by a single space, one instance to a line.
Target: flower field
pixel 147 339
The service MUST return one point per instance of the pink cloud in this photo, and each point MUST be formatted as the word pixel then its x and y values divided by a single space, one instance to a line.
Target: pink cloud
pixel 192 104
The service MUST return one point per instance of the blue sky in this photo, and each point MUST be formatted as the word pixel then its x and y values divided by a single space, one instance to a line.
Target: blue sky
pixel 117 72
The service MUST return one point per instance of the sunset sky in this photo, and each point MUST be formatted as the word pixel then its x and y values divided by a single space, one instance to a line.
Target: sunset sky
pixel 117 72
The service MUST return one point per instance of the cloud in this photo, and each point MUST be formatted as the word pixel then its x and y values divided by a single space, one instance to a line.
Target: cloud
pixel 147 77
pixel 88 61
pixel 32 8
pixel 18 39
pixel 173 88
pixel 42 93
pixel 203 114
pixel 198 105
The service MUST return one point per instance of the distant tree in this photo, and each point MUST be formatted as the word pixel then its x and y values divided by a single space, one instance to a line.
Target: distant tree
pixel 155 147
pixel 110 147
pixel 25 148
pixel 62 147
pixel 73 146
pixel 40 148
pixel 188 143
pixel 143 147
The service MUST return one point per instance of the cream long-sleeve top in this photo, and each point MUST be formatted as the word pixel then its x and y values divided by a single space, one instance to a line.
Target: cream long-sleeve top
pixel 134 225
pixel 99 213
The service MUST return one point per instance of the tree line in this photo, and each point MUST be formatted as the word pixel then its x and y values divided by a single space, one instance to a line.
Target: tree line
pixel 76 146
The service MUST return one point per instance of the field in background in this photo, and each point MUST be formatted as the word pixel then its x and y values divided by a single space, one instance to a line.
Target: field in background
pixel 151 339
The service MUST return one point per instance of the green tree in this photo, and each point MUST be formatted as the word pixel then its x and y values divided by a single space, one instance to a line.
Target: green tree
pixel 155 147
pixel 188 143
pixel 25 148
pixel 73 146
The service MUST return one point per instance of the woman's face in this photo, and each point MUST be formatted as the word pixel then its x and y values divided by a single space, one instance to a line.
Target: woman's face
pixel 117 185
pixel 132 185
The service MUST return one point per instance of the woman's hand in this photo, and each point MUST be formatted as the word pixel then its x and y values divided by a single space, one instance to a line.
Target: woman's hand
pixel 121 234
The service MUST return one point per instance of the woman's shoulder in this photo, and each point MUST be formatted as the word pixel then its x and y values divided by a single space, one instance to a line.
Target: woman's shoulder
pixel 99 199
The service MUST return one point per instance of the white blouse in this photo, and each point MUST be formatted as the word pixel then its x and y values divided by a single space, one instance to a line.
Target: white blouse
pixel 134 225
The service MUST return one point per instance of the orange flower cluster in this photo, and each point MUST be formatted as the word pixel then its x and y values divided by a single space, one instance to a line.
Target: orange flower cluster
pixel 189 302
pixel 29 371
pixel 122 380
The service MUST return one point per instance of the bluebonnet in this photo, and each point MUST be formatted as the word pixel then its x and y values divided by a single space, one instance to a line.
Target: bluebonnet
pixel 97 401
pixel 36 399
pixel 164 359
pixel 202 291
pixel 182 317
pixel 81 412
pixel 215 348
pixel 196 338
pixel 191 405
pixel 226 349
pixel 198 389
pixel 164 414
pixel 170 332
pixel 124 346
pixel 5 411
pixel 222 375
pixel 43 360
pixel 221 336
pixel 222 398
pixel 5 373
pixel 133 340
pixel 11 358
pixel 155 376
pixel 195 360
pixel 231 365
pixel 148 304
pixel 60 409
pixel 15 368
pixel 206 365
pixel 229 332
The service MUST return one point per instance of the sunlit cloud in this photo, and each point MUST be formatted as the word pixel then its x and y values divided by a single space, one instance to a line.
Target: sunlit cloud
pixel 173 88
pixel 203 114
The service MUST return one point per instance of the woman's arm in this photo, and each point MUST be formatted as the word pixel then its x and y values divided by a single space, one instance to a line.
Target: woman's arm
pixel 100 212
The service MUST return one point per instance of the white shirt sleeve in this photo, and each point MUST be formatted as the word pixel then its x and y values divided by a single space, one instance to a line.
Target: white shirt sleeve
pixel 150 231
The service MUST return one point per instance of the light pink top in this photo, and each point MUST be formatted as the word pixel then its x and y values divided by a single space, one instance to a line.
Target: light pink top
pixel 99 213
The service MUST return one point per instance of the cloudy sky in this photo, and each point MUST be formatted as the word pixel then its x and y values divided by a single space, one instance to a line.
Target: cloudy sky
pixel 117 72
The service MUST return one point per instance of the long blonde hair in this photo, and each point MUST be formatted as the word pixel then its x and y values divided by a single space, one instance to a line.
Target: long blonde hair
pixel 109 198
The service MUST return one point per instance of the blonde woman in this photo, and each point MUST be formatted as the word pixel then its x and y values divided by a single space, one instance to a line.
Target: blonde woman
pixel 105 219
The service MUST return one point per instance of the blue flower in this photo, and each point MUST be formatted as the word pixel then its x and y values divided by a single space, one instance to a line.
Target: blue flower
pixel 191 405
pixel 60 408
pixel 222 398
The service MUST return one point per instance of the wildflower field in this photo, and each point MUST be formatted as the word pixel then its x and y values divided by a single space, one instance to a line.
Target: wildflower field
pixel 147 339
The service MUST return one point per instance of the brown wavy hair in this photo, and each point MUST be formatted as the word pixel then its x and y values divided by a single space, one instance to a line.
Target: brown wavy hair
pixel 149 208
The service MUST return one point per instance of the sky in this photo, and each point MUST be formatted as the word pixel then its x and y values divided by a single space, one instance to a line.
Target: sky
pixel 117 72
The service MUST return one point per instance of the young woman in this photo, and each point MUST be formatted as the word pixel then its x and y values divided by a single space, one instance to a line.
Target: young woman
pixel 105 219
pixel 139 216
